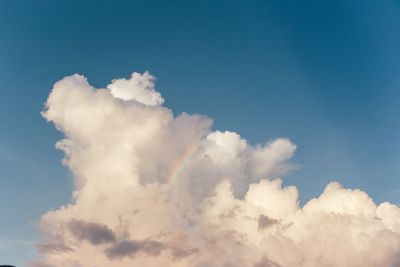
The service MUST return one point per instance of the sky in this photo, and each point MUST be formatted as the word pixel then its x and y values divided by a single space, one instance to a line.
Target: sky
pixel 323 74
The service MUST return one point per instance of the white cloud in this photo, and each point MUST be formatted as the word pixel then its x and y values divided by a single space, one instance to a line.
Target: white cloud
pixel 140 87
pixel 152 189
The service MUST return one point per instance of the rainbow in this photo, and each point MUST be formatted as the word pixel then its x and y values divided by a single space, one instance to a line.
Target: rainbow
pixel 181 162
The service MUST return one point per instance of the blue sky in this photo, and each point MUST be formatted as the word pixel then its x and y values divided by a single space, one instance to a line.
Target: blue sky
pixel 324 74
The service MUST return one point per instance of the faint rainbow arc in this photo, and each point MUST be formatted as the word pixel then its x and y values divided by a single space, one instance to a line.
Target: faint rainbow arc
pixel 180 163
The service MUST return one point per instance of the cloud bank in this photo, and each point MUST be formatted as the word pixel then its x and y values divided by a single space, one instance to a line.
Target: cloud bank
pixel 154 189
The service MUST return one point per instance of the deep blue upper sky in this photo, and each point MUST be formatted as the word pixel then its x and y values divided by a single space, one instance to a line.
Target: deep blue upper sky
pixel 325 74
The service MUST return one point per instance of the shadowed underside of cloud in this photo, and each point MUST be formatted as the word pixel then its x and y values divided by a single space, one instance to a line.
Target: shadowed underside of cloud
pixel 154 189
pixel 129 248
pixel 93 232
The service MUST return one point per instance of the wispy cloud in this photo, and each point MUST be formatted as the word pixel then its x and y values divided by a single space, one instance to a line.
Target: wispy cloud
pixel 11 156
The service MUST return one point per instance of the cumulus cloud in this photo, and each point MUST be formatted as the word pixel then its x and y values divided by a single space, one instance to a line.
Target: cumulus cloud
pixel 140 87
pixel 154 189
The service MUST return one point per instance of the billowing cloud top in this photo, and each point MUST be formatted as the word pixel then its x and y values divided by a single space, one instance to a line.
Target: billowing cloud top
pixel 152 189
pixel 140 87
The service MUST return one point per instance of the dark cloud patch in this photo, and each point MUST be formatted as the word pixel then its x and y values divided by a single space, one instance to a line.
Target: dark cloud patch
pixel 180 253
pixel 122 249
pixel 265 262
pixel 152 247
pixel 265 222
pixel 95 233
pixel 128 248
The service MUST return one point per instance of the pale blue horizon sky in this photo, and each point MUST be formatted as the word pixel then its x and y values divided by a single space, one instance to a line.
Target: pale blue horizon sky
pixel 324 74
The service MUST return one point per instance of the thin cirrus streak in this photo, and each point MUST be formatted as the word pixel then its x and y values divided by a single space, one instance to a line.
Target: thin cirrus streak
pixel 222 204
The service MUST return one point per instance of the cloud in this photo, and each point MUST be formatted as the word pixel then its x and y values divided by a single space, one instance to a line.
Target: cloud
pixel 154 189
pixel 95 233
pixel 53 248
pixel 265 262
pixel 265 222
pixel 131 247
pixel 140 87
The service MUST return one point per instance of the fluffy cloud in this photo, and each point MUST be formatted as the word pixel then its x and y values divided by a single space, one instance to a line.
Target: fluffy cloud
pixel 154 189
pixel 140 87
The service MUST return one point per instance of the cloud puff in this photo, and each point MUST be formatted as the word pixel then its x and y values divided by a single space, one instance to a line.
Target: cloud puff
pixel 140 87
pixel 154 189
